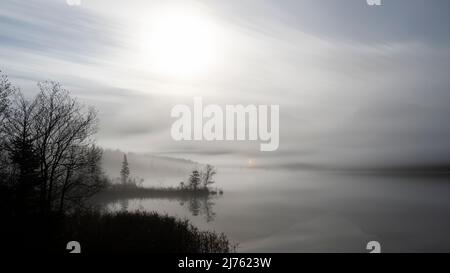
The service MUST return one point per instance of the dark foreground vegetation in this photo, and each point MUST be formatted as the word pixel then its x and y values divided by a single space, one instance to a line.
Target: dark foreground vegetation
pixel 141 232
pixel 50 167
pixel 111 232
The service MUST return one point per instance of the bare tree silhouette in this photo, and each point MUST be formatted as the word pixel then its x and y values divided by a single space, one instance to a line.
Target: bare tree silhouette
pixel 208 175
pixel 49 157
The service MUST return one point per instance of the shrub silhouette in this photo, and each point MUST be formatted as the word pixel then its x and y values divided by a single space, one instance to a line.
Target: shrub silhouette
pixel 140 232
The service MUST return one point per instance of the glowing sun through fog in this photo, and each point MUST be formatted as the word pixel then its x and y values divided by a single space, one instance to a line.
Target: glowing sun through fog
pixel 179 42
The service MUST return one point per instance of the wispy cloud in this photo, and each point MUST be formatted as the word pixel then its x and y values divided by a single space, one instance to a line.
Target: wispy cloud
pixel 355 84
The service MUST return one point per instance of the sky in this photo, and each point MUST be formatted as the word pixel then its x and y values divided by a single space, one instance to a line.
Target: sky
pixel 357 85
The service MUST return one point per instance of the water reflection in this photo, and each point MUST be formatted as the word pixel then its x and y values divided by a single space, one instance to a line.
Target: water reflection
pixel 197 205
pixel 200 206
pixel 316 212
pixel 123 203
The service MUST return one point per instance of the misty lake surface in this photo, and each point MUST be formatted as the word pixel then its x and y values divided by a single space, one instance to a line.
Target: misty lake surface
pixel 305 211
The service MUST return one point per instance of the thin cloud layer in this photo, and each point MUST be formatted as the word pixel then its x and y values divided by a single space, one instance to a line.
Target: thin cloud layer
pixel 356 85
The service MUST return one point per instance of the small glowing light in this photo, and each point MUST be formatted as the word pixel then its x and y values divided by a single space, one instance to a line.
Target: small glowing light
pixel 251 162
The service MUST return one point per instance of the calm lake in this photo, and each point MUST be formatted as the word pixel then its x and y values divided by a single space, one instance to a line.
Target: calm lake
pixel 298 211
